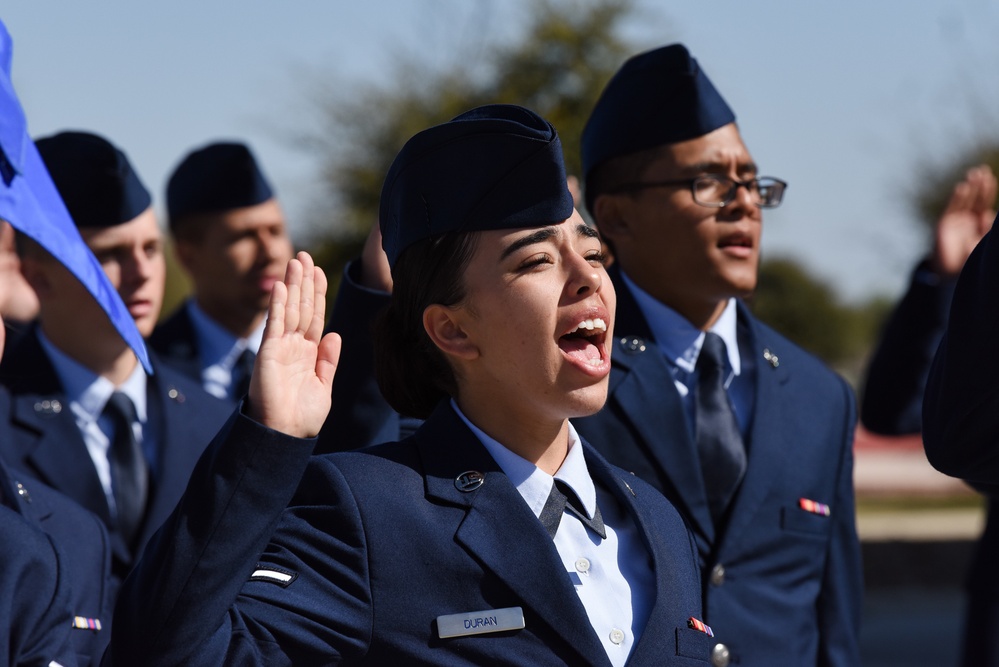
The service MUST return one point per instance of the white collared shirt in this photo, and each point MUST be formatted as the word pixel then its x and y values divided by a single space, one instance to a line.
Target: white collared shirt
pixel 613 577
pixel 219 351
pixel 88 394
pixel 680 342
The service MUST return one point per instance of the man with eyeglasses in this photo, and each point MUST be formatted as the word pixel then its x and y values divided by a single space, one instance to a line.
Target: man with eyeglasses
pixel 749 435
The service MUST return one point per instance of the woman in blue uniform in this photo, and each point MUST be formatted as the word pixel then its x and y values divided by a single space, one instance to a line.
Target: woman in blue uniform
pixel 493 535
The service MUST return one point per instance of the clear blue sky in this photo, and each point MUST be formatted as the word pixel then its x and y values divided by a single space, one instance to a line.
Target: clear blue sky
pixel 842 99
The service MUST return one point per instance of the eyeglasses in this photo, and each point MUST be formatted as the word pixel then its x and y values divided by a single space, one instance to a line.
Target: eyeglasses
pixel 716 191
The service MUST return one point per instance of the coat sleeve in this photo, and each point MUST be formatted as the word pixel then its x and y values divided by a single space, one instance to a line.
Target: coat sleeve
pixel 896 376
pixel 179 605
pixel 841 599
pixel 961 405
pixel 360 416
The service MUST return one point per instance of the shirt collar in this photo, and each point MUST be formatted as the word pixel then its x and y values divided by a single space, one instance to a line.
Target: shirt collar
pixel 89 390
pixel 533 484
pixel 216 344
pixel 680 340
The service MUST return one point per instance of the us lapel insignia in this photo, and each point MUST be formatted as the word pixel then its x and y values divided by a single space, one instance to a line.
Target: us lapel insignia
pixel 480 622
pixel 770 357
pixel 175 395
pixel 814 507
pixel 48 408
pixel 469 481
pixel 700 626
pixel 633 345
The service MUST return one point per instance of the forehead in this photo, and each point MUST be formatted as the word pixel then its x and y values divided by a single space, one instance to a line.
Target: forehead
pixel 264 214
pixel 721 148
pixel 138 230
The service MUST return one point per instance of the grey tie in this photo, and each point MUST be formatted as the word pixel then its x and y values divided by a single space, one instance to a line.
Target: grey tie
pixel 129 474
pixel 719 441
pixel 562 498
pixel 241 372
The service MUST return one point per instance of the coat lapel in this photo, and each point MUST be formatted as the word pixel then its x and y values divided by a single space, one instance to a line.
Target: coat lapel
pixel 44 435
pixel 642 373
pixel 765 442
pixel 500 531
pixel 655 641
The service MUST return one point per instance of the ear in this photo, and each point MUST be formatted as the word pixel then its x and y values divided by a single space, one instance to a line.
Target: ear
pixel 610 213
pixel 184 252
pixel 443 325
pixel 33 270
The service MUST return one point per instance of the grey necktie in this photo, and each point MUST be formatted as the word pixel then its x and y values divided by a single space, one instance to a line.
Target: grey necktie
pixel 129 473
pixel 241 372
pixel 562 498
pixel 719 441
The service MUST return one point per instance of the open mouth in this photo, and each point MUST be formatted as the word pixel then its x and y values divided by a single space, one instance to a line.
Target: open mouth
pixel 585 343
pixel 737 242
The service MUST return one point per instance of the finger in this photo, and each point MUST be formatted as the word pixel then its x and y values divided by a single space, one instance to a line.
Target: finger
pixel 328 358
pixel 308 292
pixel 274 328
pixel 960 198
pixel 315 331
pixel 988 190
pixel 293 279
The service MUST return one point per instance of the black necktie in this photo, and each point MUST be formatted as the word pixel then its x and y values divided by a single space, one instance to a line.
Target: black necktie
pixel 562 498
pixel 719 442
pixel 129 474
pixel 241 372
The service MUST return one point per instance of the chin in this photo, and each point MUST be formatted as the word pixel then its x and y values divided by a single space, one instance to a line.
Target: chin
pixel 586 401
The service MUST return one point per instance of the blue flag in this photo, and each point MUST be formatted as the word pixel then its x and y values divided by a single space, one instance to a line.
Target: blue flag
pixel 30 202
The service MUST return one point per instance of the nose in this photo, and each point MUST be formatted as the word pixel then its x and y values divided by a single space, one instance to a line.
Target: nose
pixel 585 278
pixel 744 203
pixel 272 245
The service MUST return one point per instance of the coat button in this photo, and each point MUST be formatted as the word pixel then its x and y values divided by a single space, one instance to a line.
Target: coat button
pixel 720 656
pixel 717 575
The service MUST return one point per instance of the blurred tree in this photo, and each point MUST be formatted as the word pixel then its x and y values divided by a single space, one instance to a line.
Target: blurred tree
pixel 809 312
pixel 568 51
pixel 936 179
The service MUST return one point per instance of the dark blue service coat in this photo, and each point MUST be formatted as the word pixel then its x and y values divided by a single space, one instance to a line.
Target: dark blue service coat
pixel 374 546
pixel 961 429
pixel 34 596
pixel 84 551
pixel 781 585
pixel 175 342
pixel 45 442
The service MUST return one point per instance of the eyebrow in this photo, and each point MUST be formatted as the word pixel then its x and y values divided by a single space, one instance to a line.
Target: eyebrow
pixel 537 237
pixel 543 235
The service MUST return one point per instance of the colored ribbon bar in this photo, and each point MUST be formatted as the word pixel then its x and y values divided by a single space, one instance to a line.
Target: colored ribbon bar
pixel 700 626
pixel 814 507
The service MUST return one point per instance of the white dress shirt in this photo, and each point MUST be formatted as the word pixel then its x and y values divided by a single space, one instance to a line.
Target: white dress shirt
pixel 219 351
pixel 613 577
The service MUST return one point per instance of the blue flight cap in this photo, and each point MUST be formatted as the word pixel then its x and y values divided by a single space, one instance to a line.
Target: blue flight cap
pixel 30 202
pixel 657 97
pixel 215 178
pixel 94 178
pixel 495 167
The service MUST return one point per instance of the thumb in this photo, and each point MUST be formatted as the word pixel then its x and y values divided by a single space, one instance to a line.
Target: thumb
pixel 328 358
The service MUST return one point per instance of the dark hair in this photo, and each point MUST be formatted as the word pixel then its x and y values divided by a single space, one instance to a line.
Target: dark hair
pixel 616 171
pixel 412 372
